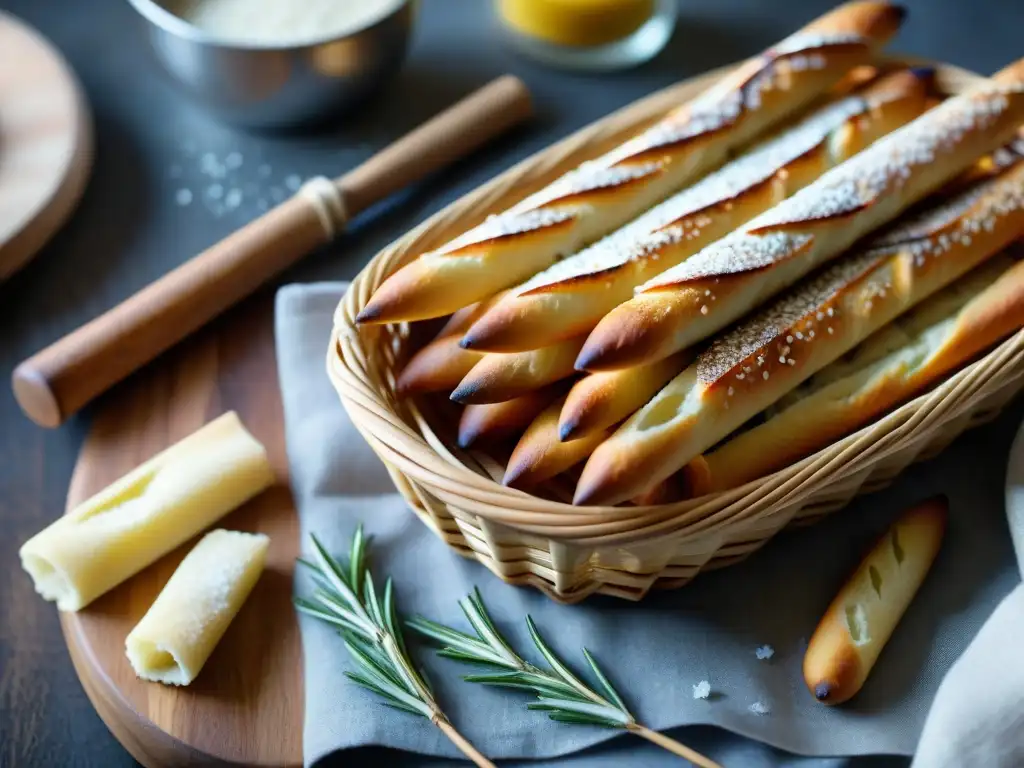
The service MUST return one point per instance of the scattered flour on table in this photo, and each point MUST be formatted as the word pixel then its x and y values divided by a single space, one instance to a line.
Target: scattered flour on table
pixel 759 708
pixel 224 185
pixel 702 690
pixel 764 652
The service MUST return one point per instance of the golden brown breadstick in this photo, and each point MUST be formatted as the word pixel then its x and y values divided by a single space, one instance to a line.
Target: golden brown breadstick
pixel 498 377
pixel 601 400
pixel 491 422
pixel 443 363
pixel 540 455
pixel 438 367
pixel 862 617
pixel 605 193
pixel 571 296
pixel 714 288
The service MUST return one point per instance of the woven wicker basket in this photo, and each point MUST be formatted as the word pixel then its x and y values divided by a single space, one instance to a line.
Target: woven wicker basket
pixel 571 552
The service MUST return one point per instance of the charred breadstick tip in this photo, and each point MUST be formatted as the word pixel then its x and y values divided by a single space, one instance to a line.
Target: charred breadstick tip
pixel 498 377
pixel 540 455
pixel 492 422
pixel 862 617
pixel 439 366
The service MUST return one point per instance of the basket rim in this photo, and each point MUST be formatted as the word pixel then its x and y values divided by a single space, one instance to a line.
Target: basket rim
pixel 410 446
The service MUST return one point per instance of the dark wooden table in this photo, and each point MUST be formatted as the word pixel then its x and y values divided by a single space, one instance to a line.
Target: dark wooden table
pixel 131 227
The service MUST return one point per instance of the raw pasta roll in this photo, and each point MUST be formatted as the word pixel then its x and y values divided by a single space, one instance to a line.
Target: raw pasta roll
pixel 172 642
pixel 147 513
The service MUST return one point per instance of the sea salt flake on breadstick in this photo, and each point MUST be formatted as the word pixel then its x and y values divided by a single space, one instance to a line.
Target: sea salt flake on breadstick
pixel 172 642
pixel 147 513
pixel 863 616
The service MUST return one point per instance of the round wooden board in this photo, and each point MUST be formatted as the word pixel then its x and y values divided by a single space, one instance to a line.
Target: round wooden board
pixel 246 706
pixel 45 143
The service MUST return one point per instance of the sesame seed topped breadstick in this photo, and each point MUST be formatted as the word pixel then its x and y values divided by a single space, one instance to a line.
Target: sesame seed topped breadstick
pixel 692 301
pixel 603 194
pixel 748 368
pixel 571 296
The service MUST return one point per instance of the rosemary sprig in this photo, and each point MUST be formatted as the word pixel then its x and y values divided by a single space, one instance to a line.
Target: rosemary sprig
pixel 560 692
pixel 347 599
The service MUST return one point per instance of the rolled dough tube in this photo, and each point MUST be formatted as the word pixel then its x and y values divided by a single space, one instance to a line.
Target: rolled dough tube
pixel 190 615
pixel 147 513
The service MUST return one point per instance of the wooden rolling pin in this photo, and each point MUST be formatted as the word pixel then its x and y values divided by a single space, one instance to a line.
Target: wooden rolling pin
pixel 53 384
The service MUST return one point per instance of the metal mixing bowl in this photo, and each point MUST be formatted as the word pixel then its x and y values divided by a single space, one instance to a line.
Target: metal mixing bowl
pixel 279 86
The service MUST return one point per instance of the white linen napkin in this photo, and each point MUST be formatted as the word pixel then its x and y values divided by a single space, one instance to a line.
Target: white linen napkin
pixel 658 649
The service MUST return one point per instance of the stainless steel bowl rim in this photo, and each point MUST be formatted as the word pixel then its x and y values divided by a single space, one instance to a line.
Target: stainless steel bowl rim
pixel 154 12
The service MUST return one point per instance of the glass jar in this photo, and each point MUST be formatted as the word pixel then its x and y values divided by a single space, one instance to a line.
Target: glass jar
pixel 591 35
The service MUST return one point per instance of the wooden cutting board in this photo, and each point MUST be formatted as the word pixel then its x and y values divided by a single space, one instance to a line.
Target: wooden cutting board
pixel 246 706
pixel 45 142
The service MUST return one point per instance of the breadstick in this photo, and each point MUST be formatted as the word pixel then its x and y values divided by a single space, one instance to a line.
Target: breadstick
pixel 891 367
pixel 172 642
pixel 438 367
pixel 540 455
pixel 603 194
pixel 498 377
pixel 570 297
pixel 491 422
pixel 153 509
pixel 693 300
pixel 442 364
pixel 601 400
pixel 862 617
pixel 752 366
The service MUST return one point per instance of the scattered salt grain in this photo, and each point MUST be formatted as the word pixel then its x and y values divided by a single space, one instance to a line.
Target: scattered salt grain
pixel 764 652
pixel 233 198
pixel 183 197
pixel 759 708
pixel 233 160
pixel 702 690
pixel 215 191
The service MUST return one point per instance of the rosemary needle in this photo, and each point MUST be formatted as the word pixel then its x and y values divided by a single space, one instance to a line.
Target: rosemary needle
pixel 346 598
pixel 560 692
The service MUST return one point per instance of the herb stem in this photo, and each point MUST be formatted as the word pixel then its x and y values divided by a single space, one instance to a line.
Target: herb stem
pixel 346 598
pixel 461 742
pixel 671 745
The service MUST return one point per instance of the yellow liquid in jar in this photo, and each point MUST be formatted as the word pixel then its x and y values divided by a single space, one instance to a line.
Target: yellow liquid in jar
pixel 576 23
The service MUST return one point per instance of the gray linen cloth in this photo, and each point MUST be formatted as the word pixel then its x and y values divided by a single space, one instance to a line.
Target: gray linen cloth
pixel 658 649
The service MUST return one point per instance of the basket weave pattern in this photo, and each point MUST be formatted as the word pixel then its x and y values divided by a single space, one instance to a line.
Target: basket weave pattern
pixel 572 552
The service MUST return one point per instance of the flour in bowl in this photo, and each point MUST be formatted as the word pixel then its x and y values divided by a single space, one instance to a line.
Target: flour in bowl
pixel 279 22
